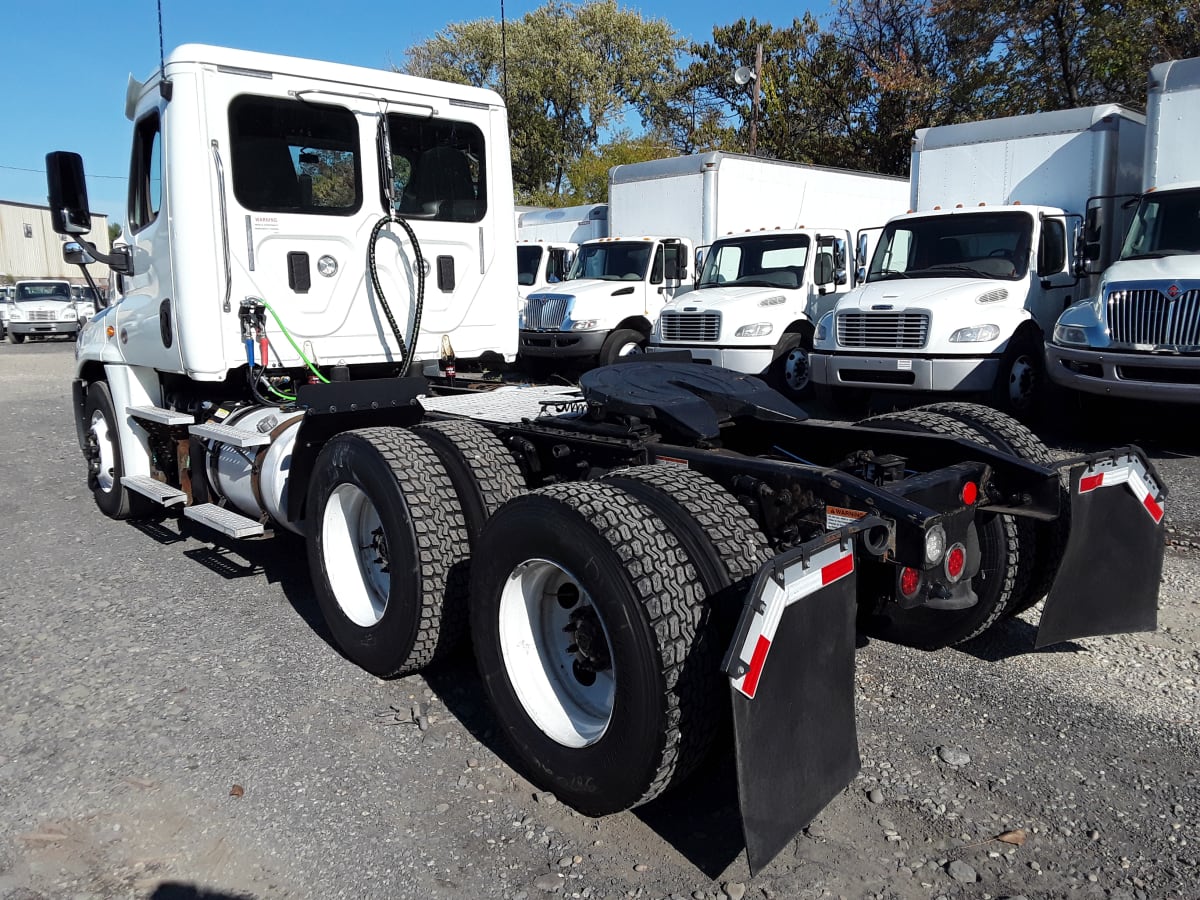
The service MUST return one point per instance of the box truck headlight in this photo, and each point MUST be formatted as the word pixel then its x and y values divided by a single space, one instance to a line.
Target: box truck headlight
pixel 777 300
pixel 17 314
pixel 975 334
pixel 758 329
pixel 584 325
pixel 1070 334
pixel 824 327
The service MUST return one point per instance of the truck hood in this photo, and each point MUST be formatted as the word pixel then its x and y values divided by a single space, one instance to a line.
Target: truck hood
pixel 588 287
pixel 54 306
pixel 731 295
pixel 902 293
pixel 1164 268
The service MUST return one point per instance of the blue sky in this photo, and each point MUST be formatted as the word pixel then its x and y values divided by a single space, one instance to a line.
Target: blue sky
pixel 64 66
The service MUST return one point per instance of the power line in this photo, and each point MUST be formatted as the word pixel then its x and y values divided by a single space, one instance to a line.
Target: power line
pixel 43 172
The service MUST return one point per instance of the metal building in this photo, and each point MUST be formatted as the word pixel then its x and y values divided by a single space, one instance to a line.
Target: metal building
pixel 29 248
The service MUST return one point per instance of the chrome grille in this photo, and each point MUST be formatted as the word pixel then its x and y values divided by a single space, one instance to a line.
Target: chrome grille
pixel 1150 317
pixel 42 315
pixel 891 330
pixel 545 313
pixel 690 326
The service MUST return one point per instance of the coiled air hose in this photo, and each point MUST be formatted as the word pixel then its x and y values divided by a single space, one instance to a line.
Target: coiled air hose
pixel 406 353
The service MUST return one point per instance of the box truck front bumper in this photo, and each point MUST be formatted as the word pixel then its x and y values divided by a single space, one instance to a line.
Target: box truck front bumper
pixel 906 373
pixel 750 360
pixel 35 328
pixel 1135 376
pixel 560 344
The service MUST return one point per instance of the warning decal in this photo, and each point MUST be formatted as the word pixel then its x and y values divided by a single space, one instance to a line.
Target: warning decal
pixel 837 516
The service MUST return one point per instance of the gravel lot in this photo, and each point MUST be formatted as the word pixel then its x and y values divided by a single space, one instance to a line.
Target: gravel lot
pixel 173 723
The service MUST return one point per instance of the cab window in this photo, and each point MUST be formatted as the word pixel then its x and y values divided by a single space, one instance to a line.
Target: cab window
pixel 145 173
pixel 291 156
pixel 438 169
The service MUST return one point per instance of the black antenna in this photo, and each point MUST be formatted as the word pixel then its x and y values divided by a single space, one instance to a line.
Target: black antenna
pixel 164 86
pixel 503 53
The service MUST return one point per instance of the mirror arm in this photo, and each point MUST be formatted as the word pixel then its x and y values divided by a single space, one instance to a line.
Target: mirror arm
pixel 119 260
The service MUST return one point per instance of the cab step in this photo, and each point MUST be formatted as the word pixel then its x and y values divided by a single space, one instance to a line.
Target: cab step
pixel 229 523
pixel 160 415
pixel 227 434
pixel 155 490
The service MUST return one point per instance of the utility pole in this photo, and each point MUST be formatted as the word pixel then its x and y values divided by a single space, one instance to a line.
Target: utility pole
pixel 754 96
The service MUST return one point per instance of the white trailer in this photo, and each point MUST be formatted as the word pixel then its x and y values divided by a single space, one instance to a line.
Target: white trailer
pixel 564 225
pixel 663 212
pixel 1138 334
pixel 961 292
pixel 781 238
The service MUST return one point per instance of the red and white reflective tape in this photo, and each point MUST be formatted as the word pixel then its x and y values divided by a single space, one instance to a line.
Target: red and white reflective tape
pixel 1129 471
pixel 799 581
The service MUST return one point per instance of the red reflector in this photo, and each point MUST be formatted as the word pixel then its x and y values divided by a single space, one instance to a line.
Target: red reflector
pixel 750 684
pixel 970 493
pixel 836 570
pixel 1154 508
pixel 1090 482
pixel 910 580
pixel 956 559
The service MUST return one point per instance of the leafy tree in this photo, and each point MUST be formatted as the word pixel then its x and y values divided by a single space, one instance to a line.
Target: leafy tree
pixel 588 174
pixel 114 232
pixel 573 72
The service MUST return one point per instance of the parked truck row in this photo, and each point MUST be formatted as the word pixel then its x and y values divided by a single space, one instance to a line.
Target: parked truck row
pixel 639 560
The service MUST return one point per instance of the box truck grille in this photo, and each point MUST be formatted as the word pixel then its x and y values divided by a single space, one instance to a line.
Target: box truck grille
pixel 1151 317
pixel 42 315
pixel 892 330
pixel 545 313
pixel 690 326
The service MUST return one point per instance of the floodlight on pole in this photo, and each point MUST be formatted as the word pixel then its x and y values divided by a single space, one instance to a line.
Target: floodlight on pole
pixel 742 76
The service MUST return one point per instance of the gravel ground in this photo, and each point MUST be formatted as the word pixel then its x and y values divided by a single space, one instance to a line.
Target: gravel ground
pixel 174 723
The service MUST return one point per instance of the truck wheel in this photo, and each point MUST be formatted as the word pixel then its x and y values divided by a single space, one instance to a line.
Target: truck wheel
pixel 105 466
pixel 1049 538
pixel 484 474
pixel 622 342
pixel 1020 378
pixel 16 338
pixel 387 549
pixel 585 612
pixel 1002 576
pixel 790 371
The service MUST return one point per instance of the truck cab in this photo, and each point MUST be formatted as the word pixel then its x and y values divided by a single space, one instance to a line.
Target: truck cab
pixel 756 302
pixel 41 309
pixel 954 300
pixel 608 304
pixel 542 262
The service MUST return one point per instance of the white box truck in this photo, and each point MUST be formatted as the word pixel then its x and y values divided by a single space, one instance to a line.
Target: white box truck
pixel 962 291
pixel 1138 334
pixel 761 291
pixel 548 238
pixel 660 211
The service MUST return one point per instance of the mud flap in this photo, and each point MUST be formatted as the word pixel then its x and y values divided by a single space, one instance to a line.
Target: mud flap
pixel 791 669
pixel 1108 578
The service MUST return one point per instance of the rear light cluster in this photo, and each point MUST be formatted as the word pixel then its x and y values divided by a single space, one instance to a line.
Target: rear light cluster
pixel 910 582
pixel 956 562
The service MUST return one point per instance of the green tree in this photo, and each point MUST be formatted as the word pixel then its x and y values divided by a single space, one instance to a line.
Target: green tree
pixel 114 232
pixel 588 174
pixel 574 71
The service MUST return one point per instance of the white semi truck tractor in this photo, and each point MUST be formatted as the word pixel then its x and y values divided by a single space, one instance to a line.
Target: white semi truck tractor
pixel 1137 335
pixel 962 292
pixel 311 246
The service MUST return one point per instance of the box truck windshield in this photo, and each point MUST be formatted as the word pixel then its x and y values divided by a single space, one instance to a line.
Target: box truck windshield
pixel 979 245
pixel 1166 224
pixel 757 261
pixel 612 261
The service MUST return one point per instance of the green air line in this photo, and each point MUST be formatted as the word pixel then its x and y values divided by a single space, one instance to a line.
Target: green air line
pixel 287 334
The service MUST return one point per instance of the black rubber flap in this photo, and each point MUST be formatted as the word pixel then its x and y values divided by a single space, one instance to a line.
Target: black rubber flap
pixel 1108 579
pixel 796 741
pixel 690 399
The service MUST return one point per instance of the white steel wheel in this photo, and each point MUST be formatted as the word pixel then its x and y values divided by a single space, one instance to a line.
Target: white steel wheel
pixel 355 554
pixel 557 653
pixel 796 370
pixel 630 348
pixel 106 454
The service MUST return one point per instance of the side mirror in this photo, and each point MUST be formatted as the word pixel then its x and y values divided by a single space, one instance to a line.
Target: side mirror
pixel 69 210
pixel 76 255
pixel 840 276
pixel 860 256
pixel 680 272
pixel 823 271
pixel 861 274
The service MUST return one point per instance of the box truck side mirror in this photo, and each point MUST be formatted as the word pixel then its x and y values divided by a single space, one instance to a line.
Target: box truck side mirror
pixel 69 211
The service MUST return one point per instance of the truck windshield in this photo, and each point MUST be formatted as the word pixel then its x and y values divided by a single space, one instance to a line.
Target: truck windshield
pixel 1166 224
pixel 613 261
pixel 974 245
pixel 757 261
pixel 43 290
pixel 528 258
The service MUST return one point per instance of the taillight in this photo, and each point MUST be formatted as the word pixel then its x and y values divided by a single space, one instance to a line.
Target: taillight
pixel 956 561
pixel 970 493
pixel 910 582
